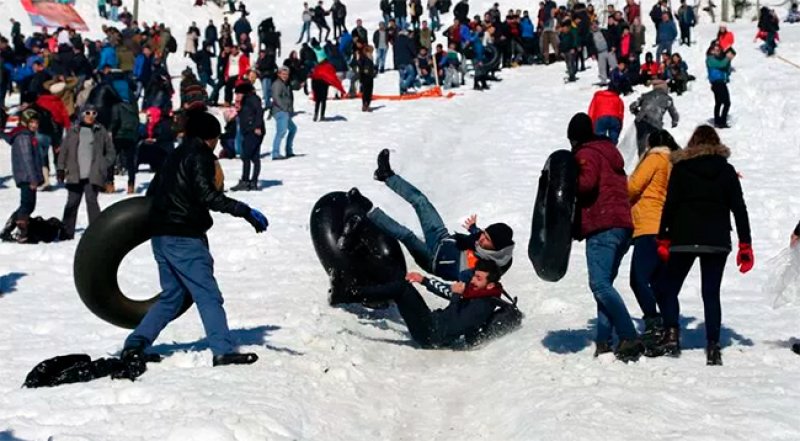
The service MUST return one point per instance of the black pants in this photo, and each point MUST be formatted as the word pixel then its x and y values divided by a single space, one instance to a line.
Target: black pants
pixel 229 86
pixel 410 304
pixel 338 28
pixel 320 89
pixel 322 26
pixel 27 202
pixel 722 102
pixel 251 154
pixel 643 131
pixel 127 148
pixel 712 266
pixel 367 84
pixel 686 34
pixel 571 58
pixel 75 194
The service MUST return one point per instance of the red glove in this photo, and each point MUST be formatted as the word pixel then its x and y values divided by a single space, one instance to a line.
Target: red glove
pixel 663 249
pixel 745 259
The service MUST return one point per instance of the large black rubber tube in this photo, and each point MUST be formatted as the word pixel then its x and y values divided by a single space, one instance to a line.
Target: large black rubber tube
pixel 377 259
pixel 119 229
pixel 551 227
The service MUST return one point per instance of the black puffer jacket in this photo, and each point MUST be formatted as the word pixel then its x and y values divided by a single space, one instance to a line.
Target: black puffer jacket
pixel 185 189
pixel 703 191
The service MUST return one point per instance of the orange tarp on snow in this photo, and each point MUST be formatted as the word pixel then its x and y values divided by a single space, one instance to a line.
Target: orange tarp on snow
pixel 435 92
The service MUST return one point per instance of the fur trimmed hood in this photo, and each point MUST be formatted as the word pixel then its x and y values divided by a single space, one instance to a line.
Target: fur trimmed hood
pixel 701 150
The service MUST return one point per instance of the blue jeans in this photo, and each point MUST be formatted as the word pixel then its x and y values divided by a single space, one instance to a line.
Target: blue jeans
pixel 433 228
pixel 283 124
pixel 645 267
pixel 663 48
pixel 608 126
pixel 381 60
pixel 266 86
pixel 305 31
pixel 386 19
pixel 604 253
pixel 401 22
pixel 185 267
pixel 407 75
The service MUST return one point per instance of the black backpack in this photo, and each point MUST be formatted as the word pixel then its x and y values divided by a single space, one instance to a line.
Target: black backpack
pixel 172 44
pixel 128 122
pixel 505 319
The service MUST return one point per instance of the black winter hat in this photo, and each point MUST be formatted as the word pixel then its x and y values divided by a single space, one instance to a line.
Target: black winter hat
pixel 580 129
pixel 202 125
pixel 502 235
pixel 244 88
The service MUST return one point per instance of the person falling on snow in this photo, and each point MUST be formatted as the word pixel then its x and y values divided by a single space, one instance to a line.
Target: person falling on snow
pixel 649 110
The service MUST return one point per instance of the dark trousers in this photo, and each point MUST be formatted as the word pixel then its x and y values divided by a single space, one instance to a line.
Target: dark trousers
pixel 367 85
pixel 643 131
pixel 127 148
pixel 712 266
pixel 320 89
pixel 251 154
pixel 770 42
pixel 410 304
pixel 722 102
pixel 229 86
pixel 572 64
pixel 27 202
pixel 75 194
pixel 686 34
pixel 645 268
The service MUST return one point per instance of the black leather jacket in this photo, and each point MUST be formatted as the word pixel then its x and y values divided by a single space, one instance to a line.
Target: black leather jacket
pixel 184 190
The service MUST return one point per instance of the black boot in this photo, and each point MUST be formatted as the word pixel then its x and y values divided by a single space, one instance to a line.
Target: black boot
pixel 235 358
pixel 359 203
pixel 713 354
pixel 22 227
pixel 134 361
pixel 629 350
pixel 384 170
pixel 601 348
pixel 252 186
pixel 670 345
pixel 241 186
pixel 796 348
pixel 653 332
pixel 8 229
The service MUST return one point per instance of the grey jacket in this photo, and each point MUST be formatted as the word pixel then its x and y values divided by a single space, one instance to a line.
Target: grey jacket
pixel 26 160
pixel 282 98
pixel 651 106
pixel 102 156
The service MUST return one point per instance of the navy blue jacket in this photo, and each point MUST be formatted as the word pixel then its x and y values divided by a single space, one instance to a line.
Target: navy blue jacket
pixel 460 317
pixel 404 52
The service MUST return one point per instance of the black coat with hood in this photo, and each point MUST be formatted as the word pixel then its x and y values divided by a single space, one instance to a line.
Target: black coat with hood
pixel 703 191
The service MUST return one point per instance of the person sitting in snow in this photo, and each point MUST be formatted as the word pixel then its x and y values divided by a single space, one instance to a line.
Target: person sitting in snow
pixel 471 304
pixel 449 256
pixel 794 15
pixel 182 194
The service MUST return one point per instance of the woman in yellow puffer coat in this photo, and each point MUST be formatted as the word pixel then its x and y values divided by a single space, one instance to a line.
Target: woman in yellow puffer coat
pixel 647 188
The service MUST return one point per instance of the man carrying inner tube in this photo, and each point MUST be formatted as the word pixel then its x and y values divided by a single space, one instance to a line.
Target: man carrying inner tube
pixel 188 185
pixel 449 256
pixel 471 304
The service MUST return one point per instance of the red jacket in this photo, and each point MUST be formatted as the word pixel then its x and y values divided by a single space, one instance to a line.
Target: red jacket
pixel 56 107
pixel 244 65
pixel 606 103
pixel 650 68
pixel 602 188
pixel 632 11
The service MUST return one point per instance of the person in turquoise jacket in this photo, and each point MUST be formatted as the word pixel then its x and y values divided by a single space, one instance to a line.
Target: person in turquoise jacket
pixel 719 70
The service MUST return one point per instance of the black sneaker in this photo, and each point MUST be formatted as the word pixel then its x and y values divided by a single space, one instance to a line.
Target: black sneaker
pixel 241 186
pixel 358 202
pixel 384 170
pixel 235 358
pixel 629 350
pixel 713 354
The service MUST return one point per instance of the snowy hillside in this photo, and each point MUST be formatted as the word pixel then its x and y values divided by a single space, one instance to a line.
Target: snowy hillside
pixel 336 374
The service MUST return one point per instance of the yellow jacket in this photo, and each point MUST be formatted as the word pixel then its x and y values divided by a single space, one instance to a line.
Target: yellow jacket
pixel 647 189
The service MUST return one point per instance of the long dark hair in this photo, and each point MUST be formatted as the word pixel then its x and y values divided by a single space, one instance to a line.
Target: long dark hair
pixel 662 138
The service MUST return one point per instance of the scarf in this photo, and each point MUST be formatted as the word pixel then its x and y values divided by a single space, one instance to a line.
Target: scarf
pixel 500 257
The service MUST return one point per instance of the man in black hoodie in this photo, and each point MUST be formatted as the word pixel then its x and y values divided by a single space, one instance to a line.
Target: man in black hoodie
pixel 182 193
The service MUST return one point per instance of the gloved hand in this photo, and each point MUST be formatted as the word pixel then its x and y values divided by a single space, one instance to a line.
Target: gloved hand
pixel 257 220
pixel 745 259
pixel 60 176
pixel 663 249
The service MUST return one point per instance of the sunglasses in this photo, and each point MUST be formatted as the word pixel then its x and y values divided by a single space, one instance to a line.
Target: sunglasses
pixel 90 113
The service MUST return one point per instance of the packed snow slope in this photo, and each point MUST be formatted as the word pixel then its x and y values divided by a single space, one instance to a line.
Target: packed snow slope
pixel 351 374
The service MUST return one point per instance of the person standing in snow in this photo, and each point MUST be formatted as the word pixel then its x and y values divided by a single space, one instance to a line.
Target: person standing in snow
pixel 182 194
pixel 26 165
pixel 449 256
pixel 83 163
pixel 719 71
pixel 283 111
pixel 306 29
pixel 649 110
pixel 665 34
pixel 647 190
pixel 704 189
pixel 605 224
pixel 607 112
pixel 686 19
pixel 251 128
pixel 318 17
pixel 601 50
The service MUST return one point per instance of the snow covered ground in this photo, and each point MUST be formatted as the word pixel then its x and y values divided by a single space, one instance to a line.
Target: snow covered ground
pixel 335 374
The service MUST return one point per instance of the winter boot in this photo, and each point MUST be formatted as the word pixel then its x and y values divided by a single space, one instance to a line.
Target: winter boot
pixel 134 361
pixel 601 348
pixel 241 186
pixel 670 345
pixel 384 170
pixel 796 348
pixel 359 204
pixel 22 235
pixel 713 354
pixel 653 332
pixel 8 229
pixel 253 186
pixel 629 350
pixel 235 358
pixel 350 237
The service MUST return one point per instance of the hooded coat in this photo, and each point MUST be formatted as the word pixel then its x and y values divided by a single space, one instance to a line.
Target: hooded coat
pixel 647 188
pixel 703 191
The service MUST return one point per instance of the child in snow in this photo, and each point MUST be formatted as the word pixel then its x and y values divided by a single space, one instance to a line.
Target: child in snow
pixel 605 223
pixel 471 303
pixel 647 190
pixel 449 256
pixel 26 165
pixel 704 190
